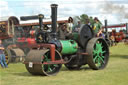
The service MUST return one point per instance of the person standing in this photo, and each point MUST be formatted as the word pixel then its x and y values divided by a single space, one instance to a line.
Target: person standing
pixel 77 27
pixel 97 27
pixel 62 31
pixel 2 56
pixel 70 25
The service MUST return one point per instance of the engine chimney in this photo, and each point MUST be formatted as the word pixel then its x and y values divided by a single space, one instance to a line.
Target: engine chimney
pixel 127 28
pixel 40 16
pixel 54 18
pixel 106 30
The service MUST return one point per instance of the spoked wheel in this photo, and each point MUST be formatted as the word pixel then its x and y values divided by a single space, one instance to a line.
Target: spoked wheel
pixel 7 57
pixel 51 69
pixel 98 51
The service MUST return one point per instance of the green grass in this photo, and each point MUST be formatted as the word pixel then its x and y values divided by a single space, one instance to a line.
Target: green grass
pixel 116 73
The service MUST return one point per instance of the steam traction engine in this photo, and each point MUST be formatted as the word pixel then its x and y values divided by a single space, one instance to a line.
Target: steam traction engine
pixel 7 35
pixel 47 56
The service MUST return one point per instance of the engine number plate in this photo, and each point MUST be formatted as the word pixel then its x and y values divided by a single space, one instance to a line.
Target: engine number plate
pixel 30 64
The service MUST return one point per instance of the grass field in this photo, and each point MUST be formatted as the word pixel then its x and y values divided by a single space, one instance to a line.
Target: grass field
pixel 116 73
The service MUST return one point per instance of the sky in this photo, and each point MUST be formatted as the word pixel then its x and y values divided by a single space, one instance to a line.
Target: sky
pixel 115 11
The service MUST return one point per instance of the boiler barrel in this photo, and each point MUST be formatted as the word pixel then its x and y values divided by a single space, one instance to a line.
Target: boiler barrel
pixel 68 46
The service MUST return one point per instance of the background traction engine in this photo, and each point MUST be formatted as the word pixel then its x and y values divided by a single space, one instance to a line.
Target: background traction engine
pixel 48 55
pixel 8 36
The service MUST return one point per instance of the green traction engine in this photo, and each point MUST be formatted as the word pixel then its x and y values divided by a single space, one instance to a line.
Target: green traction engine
pixel 49 53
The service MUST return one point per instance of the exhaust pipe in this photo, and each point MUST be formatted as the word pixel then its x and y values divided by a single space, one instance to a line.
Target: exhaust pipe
pixel 54 18
pixel 106 30
pixel 25 18
pixel 126 28
pixel 40 17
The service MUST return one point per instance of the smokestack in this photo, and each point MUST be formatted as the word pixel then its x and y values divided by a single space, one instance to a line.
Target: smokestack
pixel 106 30
pixel 41 16
pixel 127 28
pixel 54 17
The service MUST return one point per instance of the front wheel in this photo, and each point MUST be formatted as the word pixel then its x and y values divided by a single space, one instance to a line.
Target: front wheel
pixel 98 53
pixel 42 56
pixel 51 69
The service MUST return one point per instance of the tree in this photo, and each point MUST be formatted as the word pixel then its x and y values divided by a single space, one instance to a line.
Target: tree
pixel 91 20
pixel 83 18
pixel 76 19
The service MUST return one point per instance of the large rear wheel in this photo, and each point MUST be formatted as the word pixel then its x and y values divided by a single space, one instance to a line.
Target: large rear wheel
pixel 98 51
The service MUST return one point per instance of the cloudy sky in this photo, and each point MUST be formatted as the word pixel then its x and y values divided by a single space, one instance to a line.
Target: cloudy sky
pixel 115 11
